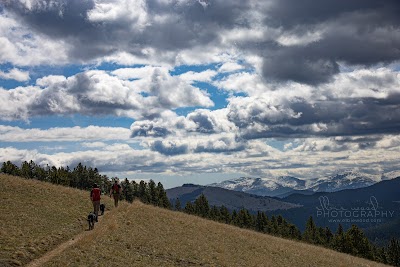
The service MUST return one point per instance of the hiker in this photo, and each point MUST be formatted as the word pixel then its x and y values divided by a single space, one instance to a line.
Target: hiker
pixel 95 197
pixel 116 192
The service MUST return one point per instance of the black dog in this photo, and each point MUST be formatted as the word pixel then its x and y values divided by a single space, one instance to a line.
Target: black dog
pixel 102 208
pixel 91 218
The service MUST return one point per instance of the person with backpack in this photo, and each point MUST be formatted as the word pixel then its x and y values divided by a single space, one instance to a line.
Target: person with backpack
pixel 95 196
pixel 116 192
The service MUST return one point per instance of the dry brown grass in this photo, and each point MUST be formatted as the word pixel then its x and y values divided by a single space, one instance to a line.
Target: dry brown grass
pixel 142 235
pixel 36 216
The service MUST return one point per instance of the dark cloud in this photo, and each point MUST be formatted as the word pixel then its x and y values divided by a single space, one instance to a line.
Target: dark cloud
pixel 221 145
pixel 147 130
pixel 355 32
pixel 295 65
pixel 183 25
pixel 203 122
pixel 347 117
pixel 290 14
pixel 169 148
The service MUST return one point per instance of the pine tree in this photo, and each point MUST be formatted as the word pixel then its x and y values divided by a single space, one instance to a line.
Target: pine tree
pixel 294 232
pixel 25 170
pixel 358 243
pixel 261 222
pixel 10 168
pixel 273 228
pixel 225 215
pixel 234 217
pixel 310 233
pixel 178 205
pixel 201 206
pixel 393 252
pixel 339 242
pixel 144 195
pixel 154 194
pixel 189 208
pixel 128 190
pixel 215 213
pixel 328 237
pixel 163 200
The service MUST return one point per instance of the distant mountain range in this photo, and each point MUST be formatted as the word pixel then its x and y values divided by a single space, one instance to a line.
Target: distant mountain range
pixel 284 186
pixel 232 200
pixel 372 203
pixel 375 208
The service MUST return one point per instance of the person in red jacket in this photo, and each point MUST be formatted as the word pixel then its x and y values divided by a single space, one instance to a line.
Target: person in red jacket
pixel 95 196
pixel 116 192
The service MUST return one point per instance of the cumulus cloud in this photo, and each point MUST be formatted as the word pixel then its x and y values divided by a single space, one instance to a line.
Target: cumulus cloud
pixel 17 134
pixel 15 74
pixel 204 76
pixel 218 143
pixel 21 47
pixel 199 121
pixel 362 102
pixel 357 32
pixel 169 147
pixel 230 67
pixel 99 93
pixel 103 28
pixel 321 72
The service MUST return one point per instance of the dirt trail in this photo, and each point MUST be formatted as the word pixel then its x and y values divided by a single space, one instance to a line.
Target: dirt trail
pixel 58 250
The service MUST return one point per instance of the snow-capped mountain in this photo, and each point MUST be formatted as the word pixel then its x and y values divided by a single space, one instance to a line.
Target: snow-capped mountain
pixel 285 185
pixel 257 186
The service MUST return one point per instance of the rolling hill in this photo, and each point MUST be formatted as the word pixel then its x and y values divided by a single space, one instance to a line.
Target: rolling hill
pixel 134 235
pixel 233 200
pixel 37 216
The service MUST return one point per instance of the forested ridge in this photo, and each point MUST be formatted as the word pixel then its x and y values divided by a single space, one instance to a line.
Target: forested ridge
pixel 352 241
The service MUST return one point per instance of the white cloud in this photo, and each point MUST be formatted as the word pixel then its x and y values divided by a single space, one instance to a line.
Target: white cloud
pixel 134 73
pixel 250 83
pixel 15 74
pixel 363 83
pixel 99 93
pixel 94 144
pixel 204 76
pixel 16 134
pixel 230 67
pixel 21 47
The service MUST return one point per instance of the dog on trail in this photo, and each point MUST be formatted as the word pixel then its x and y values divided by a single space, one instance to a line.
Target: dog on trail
pixel 102 208
pixel 91 220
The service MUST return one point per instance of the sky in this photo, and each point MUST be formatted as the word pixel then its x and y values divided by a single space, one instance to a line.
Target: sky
pixel 200 91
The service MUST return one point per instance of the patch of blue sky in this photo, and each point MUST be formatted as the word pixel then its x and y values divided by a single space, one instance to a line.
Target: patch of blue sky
pixel 10 84
pixel 55 121
pixel 110 66
pixel 195 68
pixel 219 97
pixel 54 147
pixel 279 144
pixel 38 72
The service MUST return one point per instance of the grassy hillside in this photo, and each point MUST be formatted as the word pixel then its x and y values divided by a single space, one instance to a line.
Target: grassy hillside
pixel 142 235
pixel 36 216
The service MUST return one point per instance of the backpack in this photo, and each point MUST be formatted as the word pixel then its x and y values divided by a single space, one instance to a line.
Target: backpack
pixel 115 189
pixel 96 194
